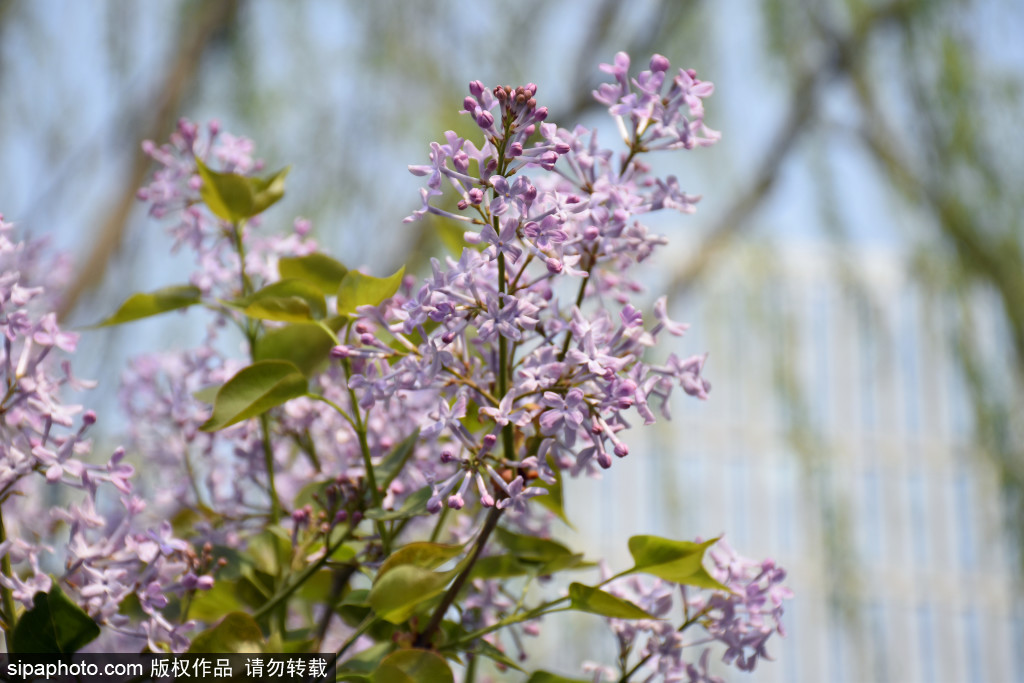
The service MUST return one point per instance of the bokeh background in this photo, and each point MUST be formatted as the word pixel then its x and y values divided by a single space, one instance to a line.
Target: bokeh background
pixel 855 269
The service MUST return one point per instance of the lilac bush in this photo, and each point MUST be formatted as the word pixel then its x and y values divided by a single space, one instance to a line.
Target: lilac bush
pixel 379 473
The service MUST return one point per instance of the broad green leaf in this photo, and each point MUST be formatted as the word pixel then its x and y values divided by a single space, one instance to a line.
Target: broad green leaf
pixel 394 461
pixel 268 191
pixel 207 394
pixel 213 604
pixel 354 610
pixel 317 587
pixel 674 561
pixel 286 301
pixel 237 632
pixel 305 343
pixel 364 662
pixel 414 506
pixel 564 562
pixel 545 677
pixel 54 625
pixel 318 269
pixel 413 666
pixel 420 554
pixel 395 595
pixel 306 494
pixel 269 550
pixel 296 642
pixel 144 305
pixel 227 195
pixel 235 197
pixel 531 548
pixel 255 390
pixel 701 579
pixel 499 567
pixel 365 290
pixel 596 601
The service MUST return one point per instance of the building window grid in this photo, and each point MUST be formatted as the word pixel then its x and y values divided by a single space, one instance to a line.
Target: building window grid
pixel 927 487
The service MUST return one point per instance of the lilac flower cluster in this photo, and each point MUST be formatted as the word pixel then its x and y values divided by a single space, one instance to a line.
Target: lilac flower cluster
pixel 108 555
pixel 490 337
pixel 742 618
pixel 226 470
pixel 745 618
pixel 523 359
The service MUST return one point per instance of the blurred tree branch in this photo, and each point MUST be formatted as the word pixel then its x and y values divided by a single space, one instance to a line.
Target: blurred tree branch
pixel 987 250
pixel 198 28
pixel 844 52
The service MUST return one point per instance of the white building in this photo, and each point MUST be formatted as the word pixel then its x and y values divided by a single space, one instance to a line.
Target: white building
pixel 838 440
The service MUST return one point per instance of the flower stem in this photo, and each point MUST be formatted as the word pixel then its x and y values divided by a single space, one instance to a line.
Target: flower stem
pixel 364 448
pixel 301 577
pixel 268 461
pixel 423 639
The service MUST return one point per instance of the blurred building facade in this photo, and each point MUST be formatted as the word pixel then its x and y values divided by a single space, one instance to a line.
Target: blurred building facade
pixel 838 440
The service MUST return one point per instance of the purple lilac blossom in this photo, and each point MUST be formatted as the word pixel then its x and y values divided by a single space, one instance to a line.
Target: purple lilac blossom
pixel 561 209
pixel 742 618
pixel 107 553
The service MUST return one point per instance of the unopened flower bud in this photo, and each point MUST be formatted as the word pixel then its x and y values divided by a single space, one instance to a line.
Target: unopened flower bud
pixel 659 63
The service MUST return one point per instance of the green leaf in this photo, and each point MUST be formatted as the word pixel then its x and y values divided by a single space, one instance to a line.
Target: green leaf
pixel 499 567
pixel 395 595
pixel 420 554
pixel 545 677
pixel 701 579
pixel 394 461
pixel 305 344
pixel 54 625
pixel 207 394
pixel 269 550
pixel 414 506
pixel 413 666
pixel 531 548
pixel 235 197
pixel 358 290
pixel 255 390
pixel 227 195
pixel 286 301
pixel 564 562
pixel 365 661
pixel 318 269
pixel 213 604
pixel 596 601
pixel 674 561
pixel 144 305
pixel 237 632
pixel 268 191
